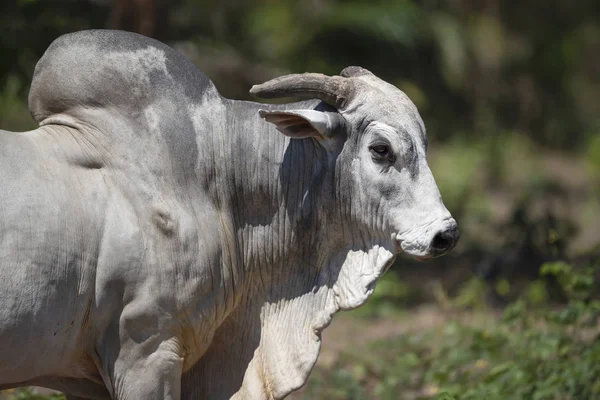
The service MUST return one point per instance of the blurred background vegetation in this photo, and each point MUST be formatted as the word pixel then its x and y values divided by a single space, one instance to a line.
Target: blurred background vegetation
pixel 510 94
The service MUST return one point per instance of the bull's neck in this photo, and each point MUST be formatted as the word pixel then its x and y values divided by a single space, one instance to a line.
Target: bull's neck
pixel 275 188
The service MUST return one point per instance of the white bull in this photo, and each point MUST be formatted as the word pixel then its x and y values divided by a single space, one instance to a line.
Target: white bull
pixel 158 241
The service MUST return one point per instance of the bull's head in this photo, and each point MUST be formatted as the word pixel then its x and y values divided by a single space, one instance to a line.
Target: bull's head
pixel 383 178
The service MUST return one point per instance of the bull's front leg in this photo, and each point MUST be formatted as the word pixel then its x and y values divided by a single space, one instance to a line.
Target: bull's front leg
pixel 140 374
pixel 143 357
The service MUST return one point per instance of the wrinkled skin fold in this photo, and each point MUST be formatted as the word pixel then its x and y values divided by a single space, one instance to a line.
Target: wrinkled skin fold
pixel 159 241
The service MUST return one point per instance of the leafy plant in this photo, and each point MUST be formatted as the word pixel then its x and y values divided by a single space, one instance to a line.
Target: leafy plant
pixel 28 394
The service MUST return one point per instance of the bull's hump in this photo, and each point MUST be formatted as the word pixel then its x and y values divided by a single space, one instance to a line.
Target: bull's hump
pixel 112 69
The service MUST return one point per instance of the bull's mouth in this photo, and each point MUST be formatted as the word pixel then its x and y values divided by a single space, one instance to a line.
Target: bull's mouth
pixel 428 247
pixel 416 249
pixel 419 257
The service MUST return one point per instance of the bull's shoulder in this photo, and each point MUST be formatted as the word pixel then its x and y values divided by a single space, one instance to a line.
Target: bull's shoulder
pixel 112 69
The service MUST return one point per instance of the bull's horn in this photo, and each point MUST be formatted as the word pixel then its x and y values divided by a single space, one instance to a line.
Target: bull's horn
pixel 353 71
pixel 333 90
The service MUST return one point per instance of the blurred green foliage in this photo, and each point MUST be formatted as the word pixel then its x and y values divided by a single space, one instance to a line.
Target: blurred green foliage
pixel 28 394
pixel 13 108
pixel 475 69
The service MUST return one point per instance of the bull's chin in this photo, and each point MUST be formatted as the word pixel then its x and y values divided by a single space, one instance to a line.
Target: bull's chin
pixel 418 257
pixel 421 257
pixel 415 250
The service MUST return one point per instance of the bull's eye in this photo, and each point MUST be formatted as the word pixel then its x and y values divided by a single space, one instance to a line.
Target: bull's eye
pixel 381 152
pixel 380 149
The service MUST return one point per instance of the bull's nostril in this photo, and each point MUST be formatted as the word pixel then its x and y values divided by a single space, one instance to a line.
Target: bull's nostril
pixel 442 241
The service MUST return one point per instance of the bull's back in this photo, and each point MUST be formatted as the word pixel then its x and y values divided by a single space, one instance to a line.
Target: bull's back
pixel 49 235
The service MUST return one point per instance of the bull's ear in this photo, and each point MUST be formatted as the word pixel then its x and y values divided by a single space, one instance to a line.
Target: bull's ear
pixel 300 124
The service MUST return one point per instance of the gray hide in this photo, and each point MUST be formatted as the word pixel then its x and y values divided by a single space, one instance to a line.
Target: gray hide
pixel 158 241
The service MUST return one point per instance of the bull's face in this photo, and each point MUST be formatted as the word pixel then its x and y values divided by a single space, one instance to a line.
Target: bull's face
pixel 386 156
pixel 382 181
